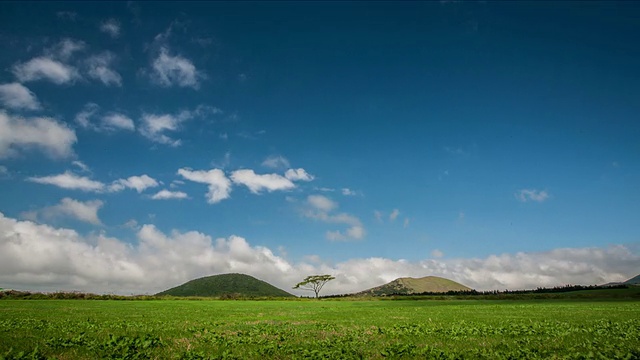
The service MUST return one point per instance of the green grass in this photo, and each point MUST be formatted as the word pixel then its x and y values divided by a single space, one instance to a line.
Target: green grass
pixel 183 329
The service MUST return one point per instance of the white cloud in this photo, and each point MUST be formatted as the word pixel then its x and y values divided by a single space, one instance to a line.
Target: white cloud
pixel 18 96
pixel 378 215
pixel 45 134
pixel 394 214
pixel 45 68
pixel 153 126
pixel 257 183
pixel 298 175
pixel 115 121
pixel 83 211
pixel 131 224
pixel 83 118
pixel 82 166
pixel 348 192
pixel 175 70
pixel 65 49
pixel 525 195
pixel 139 183
pixel 276 162
pixel 437 253
pixel 41 257
pixel 405 224
pixel 320 208
pixel 99 68
pixel 111 27
pixel 166 194
pixel 110 122
pixel 321 203
pixel 69 180
pixel 219 184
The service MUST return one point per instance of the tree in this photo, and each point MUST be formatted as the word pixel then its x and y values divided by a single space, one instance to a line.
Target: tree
pixel 314 283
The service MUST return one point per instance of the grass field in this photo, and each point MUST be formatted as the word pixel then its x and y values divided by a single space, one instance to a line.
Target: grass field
pixel 190 329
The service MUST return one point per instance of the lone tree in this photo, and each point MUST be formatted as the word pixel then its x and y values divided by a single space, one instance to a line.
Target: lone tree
pixel 314 283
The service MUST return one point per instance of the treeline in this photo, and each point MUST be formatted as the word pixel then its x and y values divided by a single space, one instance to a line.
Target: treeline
pixel 492 293
pixel 75 295
pixel 71 295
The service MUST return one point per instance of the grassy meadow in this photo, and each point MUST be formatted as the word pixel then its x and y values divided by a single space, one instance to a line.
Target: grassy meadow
pixel 299 329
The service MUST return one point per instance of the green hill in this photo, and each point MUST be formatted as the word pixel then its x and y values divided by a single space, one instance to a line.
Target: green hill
pixel 409 285
pixel 226 285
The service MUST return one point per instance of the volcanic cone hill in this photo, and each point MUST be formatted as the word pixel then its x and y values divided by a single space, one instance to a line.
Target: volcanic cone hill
pixel 408 285
pixel 235 285
pixel 633 281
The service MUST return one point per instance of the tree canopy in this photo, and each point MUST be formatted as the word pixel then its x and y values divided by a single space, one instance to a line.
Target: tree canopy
pixel 314 283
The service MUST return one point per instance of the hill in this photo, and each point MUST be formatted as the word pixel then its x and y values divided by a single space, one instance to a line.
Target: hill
pixel 408 285
pixel 633 281
pixel 240 285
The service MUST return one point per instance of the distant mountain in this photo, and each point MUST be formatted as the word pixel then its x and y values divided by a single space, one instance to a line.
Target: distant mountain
pixel 409 285
pixel 226 285
pixel 633 281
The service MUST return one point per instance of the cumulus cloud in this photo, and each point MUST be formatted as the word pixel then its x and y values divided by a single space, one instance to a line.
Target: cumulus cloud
pixel 116 121
pixel 111 27
pixel 219 184
pixel 41 257
pixel 18 96
pixel 166 195
pixel 321 203
pixel 257 183
pixel 276 162
pixel 45 134
pixel 298 175
pixel 168 70
pixel 84 211
pixel 139 183
pixel 525 195
pixel 154 126
pixel 88 118
pixel 44 68
pixel 394 214
pixel 99 68
pixel 320 208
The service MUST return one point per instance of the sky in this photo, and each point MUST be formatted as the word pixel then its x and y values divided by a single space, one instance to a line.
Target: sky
pixel 145 144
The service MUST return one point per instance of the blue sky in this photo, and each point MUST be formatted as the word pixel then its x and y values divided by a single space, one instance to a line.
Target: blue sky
pixel 144 144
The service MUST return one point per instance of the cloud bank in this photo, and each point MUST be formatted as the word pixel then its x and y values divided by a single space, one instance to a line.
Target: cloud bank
pixel 42 257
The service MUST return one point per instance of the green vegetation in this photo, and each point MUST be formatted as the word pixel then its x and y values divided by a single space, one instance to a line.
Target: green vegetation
pixel 226 286
pixel 408 285
pixel 451 329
